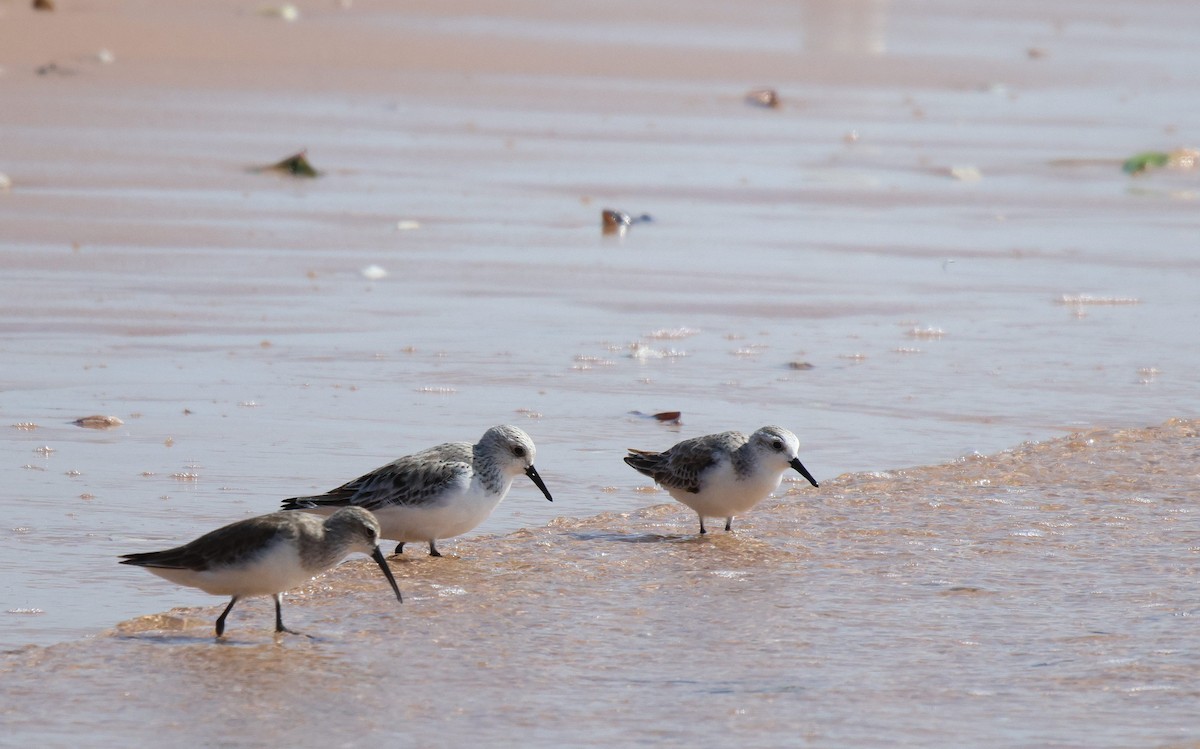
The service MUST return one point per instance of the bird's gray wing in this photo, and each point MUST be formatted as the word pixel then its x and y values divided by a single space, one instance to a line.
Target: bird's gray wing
pixel 411 480
pixel 679 467
pixel 224 546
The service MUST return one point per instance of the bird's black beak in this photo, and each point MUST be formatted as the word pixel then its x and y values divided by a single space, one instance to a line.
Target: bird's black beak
pixel 377 555
pixel 803 471
pixel 532 473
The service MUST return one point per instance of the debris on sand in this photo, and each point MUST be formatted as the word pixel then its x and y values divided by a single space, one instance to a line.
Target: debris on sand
pixel 763 97
pixel 666 417
pixel 1142 162
pixel 1180 158
pixel 296 165
pixel 286 12
pixel 53 68
pixel 97 421
pixel 617 222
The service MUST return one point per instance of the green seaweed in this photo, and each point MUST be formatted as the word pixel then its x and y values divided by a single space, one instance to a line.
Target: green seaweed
pixel 1143 161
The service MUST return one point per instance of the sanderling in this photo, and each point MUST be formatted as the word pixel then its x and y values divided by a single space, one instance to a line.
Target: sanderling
pixel 722 475
pixel 266 555
pixel 437 493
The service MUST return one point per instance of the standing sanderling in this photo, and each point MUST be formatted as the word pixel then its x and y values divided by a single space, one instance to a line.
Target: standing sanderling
pixel 722 475
pixel 437 493
pixel 266 555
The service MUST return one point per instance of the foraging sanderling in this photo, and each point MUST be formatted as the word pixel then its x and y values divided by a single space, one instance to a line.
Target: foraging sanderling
pixel 722 475
pixel 437 493
pixel 266 555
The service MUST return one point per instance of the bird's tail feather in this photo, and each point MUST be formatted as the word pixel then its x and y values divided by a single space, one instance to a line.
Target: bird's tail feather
pixel 310 503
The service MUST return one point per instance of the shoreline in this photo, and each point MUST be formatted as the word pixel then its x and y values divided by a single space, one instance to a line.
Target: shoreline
pixel 979 579
pixel 661 523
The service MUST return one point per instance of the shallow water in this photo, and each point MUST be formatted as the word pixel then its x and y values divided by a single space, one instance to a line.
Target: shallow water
pixel 1040 597
pixel 223 315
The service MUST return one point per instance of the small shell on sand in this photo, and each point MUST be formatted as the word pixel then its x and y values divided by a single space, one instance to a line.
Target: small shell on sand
pixel 966 173
pixel 374 272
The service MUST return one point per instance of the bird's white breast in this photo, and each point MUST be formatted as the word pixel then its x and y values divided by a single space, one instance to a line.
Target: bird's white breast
pixel 277 569
pixel 451 514
pixel 723 493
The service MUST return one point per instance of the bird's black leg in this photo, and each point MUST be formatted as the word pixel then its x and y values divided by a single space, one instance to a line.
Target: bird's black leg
pixel 702 531
pixel 399 549
pixel 729 523
pixel 225 613
pixel 279 616
pixel 433 552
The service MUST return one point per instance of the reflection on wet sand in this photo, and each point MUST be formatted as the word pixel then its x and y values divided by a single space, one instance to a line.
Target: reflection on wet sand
pixel 850 27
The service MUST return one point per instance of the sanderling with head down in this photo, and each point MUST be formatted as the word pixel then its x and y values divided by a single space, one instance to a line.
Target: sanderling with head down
pixel 437 493
pixel 266 555
pixel 722 475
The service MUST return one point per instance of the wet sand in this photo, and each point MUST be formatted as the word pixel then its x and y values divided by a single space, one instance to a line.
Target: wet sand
pixel 224 315
pixel 1040 597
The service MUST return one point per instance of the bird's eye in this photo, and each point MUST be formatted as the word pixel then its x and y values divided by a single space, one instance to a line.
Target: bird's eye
pixel 777 444
pixel 519 451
